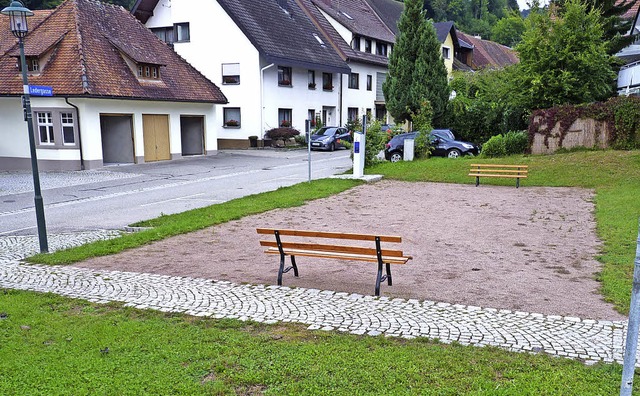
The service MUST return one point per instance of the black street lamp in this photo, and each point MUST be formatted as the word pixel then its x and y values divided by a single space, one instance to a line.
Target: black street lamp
pixel 18 25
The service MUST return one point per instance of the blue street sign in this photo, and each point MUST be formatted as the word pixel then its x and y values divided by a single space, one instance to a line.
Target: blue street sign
pixel 40 90
pixel 356 148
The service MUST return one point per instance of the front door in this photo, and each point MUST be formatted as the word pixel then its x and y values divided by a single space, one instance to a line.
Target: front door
pixel 155 131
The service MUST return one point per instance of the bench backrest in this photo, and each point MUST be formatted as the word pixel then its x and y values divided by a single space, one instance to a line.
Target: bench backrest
pixel 327 247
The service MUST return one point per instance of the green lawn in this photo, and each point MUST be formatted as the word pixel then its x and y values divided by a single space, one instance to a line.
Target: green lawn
pixel 52 345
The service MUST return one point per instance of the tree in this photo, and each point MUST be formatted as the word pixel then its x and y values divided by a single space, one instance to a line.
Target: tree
pixel 508 31
pixel 416 70
pixel 563 59
pixel 615 27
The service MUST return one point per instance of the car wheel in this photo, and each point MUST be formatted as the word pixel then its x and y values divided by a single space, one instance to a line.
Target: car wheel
pixel 454 153
pixel 332 146
pixel 395 157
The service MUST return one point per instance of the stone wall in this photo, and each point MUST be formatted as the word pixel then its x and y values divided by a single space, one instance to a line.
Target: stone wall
pixel 585 132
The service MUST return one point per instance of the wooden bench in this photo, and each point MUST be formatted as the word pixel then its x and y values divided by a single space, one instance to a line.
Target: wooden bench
pixel 298 246
pixel 492 170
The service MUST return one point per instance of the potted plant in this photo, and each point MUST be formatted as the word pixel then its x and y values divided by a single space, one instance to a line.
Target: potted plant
pixel 285 82
pixel 232 123
pixel 327 87
pixel 285 123
pixel 253 141
pixel 312 85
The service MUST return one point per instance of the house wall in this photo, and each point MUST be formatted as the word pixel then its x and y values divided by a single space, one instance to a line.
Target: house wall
pixel 448 63
pixel 17 155
pixel 214 40
pixel 361 98
pixel 299 98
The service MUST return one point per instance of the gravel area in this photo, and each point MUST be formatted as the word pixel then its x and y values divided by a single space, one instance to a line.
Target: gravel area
pixel 529 249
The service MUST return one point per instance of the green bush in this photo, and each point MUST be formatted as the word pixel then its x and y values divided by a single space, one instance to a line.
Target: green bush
pixel 282 133
pixel 374 143
pixel 301 140
pixel 516 142
pixel 494 147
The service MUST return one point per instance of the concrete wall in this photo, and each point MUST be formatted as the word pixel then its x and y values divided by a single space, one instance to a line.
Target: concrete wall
pixel 582 133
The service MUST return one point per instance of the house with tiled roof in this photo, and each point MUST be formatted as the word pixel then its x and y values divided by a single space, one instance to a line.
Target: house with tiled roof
pixel 478 53
pixel 364 42
pixel 274 63
pixel 629 74
pixel 120 95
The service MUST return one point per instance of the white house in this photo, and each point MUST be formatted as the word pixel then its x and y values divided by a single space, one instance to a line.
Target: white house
pixel 629 74
pixel 274 64
pixel 364 41
pixel 120 95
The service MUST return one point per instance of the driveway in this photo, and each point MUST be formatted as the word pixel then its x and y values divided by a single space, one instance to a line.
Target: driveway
pixel 114 197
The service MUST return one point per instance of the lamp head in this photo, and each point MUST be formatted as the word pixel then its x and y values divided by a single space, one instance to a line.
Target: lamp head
pixel 18 14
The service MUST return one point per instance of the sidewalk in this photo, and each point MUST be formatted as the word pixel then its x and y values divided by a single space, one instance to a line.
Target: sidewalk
pixel 589 340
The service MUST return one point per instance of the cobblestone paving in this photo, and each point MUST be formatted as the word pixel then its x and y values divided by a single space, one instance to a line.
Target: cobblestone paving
pixel 588 340
pixel 17 182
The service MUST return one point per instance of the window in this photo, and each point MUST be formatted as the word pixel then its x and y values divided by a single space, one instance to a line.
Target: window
pixel 147 71
pixel 33 64
pixel 284 117
pixel 311 115
pixel 354 81
pixel 352 113
pixel 56 128
pixel 327 81
pixel 45 127
pixel 367 45
pixel 182 32
pixel 445 52
pixel 355 43
pixel 284 76
pixel 179 33
pixel 381 49
pixel 311 79
pixel 369 82
pixel 231 73
pixel 68 131
pixel 231 117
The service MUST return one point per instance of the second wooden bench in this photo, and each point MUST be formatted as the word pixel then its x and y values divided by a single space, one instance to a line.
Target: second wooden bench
pixel 494 170
pixel 295 246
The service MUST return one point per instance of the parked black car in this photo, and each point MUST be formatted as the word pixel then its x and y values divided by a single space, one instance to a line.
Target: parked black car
pixel 330 138
pixel 443 144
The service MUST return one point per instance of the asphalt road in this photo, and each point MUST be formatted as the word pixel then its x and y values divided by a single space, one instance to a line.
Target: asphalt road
pixel 114 197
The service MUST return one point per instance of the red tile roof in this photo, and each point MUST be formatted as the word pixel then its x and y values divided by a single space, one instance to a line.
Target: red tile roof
pixel 89 44
pixel 488 53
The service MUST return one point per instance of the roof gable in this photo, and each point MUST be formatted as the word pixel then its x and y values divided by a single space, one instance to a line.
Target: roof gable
pixel 90 38
pixel 389 11
pixel 358 17
pixel 489 54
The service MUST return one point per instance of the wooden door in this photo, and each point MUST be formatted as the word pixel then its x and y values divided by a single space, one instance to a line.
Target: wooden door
pixel 155 131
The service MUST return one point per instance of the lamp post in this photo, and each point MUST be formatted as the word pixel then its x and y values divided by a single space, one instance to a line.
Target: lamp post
pixel 18 14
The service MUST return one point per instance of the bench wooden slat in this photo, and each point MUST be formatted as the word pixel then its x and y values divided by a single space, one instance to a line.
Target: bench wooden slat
pixel 507 171
pixel 338 255
pixel 501 175
pixel 332 248
pixel 500 166
pixel 332 235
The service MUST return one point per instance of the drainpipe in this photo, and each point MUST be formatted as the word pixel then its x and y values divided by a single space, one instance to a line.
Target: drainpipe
pixel 262 98
pixel 66 99
pixel 340 101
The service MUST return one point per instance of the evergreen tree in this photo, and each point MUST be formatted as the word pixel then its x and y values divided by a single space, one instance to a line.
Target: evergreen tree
pixel 416 69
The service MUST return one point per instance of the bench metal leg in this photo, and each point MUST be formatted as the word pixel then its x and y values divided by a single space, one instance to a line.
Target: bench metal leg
pixel 477 181
pixel 381 278
pixel 283 270
pixel 517 182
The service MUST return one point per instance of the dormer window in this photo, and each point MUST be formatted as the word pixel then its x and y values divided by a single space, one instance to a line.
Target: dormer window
pixel 355 43
pixel 381 49
pixel 148 71
pixel 367 45
pixel 33 64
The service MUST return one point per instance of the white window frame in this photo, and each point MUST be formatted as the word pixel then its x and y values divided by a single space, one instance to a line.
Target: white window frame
pixel 55 127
